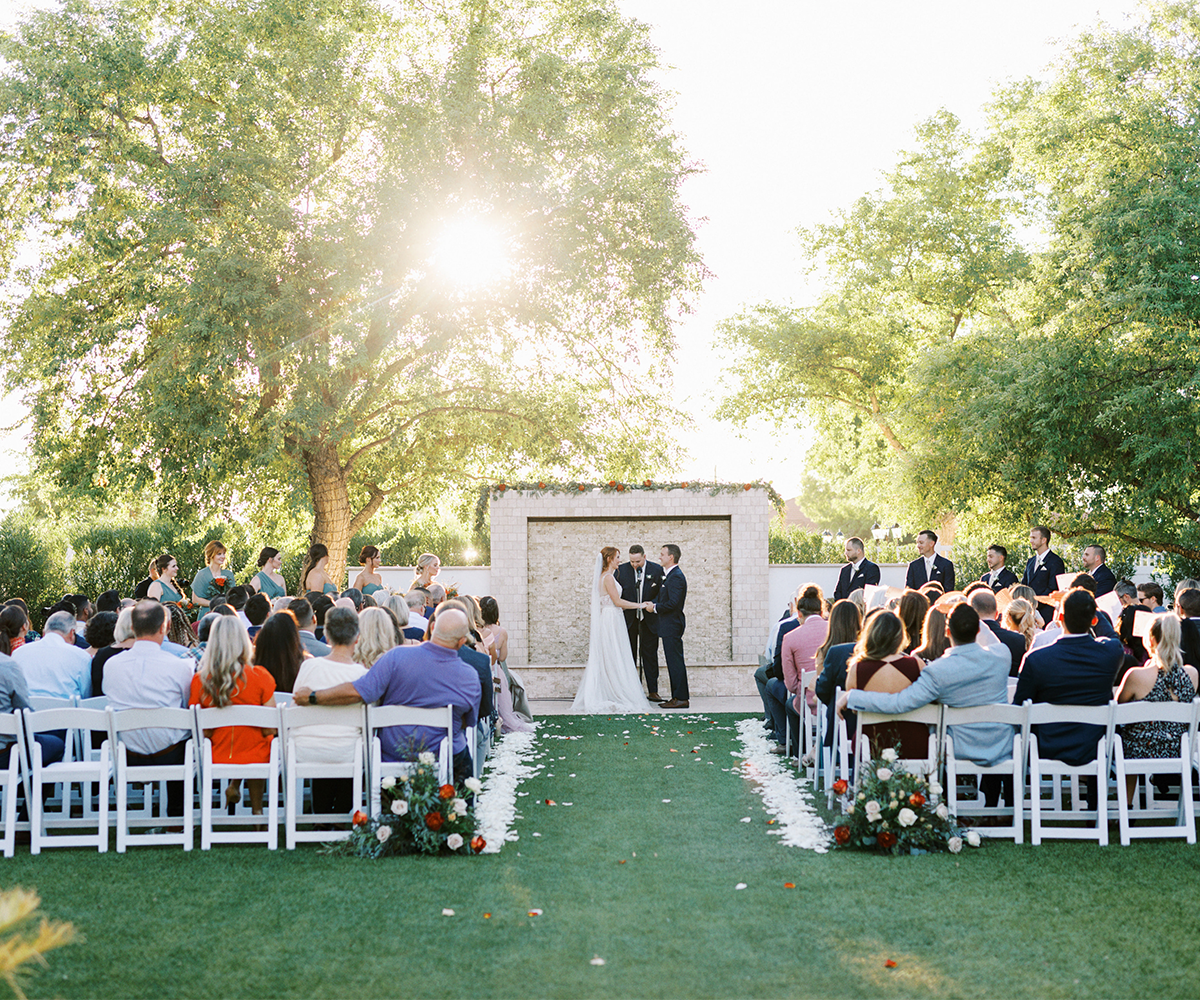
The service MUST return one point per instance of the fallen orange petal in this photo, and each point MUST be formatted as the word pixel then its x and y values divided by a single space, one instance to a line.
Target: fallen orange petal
pixel 770 822
pixel 487 916
pixel 889 964
pixel 551 802
pixel 789 885
pixel 620 862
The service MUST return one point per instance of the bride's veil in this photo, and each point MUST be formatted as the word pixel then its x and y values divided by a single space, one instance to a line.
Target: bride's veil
pixel 595 633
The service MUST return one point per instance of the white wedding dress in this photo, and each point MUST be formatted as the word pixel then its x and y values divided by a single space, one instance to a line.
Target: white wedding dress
pixel 610 683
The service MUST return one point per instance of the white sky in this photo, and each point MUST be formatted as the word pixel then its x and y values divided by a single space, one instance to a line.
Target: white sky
pixel 794 108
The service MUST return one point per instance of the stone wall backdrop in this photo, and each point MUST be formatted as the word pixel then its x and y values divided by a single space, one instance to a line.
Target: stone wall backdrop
pixel 561 560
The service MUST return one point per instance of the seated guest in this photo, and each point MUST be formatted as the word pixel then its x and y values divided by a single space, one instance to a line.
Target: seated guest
pixel 321 603
pixel 82 608
pixel 237 599
pixel 427 676
pixel 53 666
pixel 277 648
pixel 859 599
pixel 180 640
pixel 14 625
pixel 1187 607
pixel 513 717
pixel 845 624
pixel 122 639
pixel 415 599
pixel 110 600
pixel 1022 593
pixel 331 743
pixel 878 663
pixel 912 610
pixel 933 637
pixel 998 575
pixel 1077 669
pixel 1165 677
pixel 1181 586
pixel 1150 595
pixel 984 603
pixel 933 592
pixel 437 594
pixel 968 674
pixel 469 653
pixel 397 609
pixel 355 596
pixel 258 610
pixel 227 677
pixel 144 676
pixel 305 623
pixel 139 592
pixel 376 635
pixel 100 633
pixel 797 655
pixel 14 696
pixel 268 580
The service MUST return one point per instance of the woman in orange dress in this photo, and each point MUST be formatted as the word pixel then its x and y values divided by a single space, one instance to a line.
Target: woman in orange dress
pixel 227 677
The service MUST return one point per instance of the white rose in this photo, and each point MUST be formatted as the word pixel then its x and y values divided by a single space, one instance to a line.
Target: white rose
pixel 871 807
pixel 889 755
pixel 459 806
pixel 388 782
pixel 906 817
pixel 884 774
pixel 427 759
pixel 942 811
pixel 850 809
pixel 473 785
pixel 935 788
pixel 400 807
pixel 954 844
pixel 454 841
pixel 383 833
pixel 973 838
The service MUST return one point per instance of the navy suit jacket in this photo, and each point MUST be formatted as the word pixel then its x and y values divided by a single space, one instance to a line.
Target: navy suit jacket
pixel 1013 640
pixel 777 660
pixel 943 573
pixel 1106 582
pixel 1007 579
pixel 832 677
pixel 669 619
pixel 1045 580
pixel 1073 670
pixel 483 666
pixel 626 578
pixel 849 581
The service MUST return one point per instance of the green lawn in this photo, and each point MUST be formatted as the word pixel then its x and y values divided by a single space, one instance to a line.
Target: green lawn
pixel 1071 920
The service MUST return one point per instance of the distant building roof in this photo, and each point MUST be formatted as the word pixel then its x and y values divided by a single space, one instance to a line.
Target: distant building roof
pixel 793 515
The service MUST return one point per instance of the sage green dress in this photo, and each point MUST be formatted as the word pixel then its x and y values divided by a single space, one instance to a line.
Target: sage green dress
pixel 371 588
pixel 203 585
pixel 268 587
pixel 170 595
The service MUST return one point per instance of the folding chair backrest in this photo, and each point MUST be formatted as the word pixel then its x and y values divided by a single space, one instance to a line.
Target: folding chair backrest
pixel 294 716
pixel 928 714
pixel 260 716
pixel 1013 715
pixel 1182 712
pixel 10 724
pixel 380 716
pixel 98 701
pixel 151 718
pixel 1041 713
pixel 50 719
pixel 284 698
pixel 41 702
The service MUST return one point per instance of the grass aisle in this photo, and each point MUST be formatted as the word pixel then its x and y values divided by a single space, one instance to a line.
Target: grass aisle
pixel 1063 920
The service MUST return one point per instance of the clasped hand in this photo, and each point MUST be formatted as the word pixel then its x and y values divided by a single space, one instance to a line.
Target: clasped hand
pixel 647 606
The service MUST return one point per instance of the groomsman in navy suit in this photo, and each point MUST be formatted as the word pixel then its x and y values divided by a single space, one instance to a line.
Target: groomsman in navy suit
pixel 858 572
pixel 998 575
pixel 1094 565
pixel 640 581
pixel 1043 568
pixel 929 567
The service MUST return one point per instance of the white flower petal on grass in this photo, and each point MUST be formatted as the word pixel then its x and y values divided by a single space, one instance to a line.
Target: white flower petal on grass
pixel 786 798
pixel 596 960
pixel 447 913
pixel 666 800
pixel 510 763
pixel 740 885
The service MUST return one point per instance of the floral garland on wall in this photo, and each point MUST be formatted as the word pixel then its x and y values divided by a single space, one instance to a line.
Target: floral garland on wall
pixel 495 491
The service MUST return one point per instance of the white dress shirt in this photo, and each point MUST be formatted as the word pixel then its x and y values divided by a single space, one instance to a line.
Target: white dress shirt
pixel 146 676
pixel 54 668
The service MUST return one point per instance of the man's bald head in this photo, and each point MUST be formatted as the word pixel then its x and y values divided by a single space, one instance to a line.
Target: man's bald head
pixel 450 628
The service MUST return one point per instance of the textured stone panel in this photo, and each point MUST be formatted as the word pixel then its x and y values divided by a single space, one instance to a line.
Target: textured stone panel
pixel 561 559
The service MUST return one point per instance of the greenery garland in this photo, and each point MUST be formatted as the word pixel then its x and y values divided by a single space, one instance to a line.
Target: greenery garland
pixel 494 491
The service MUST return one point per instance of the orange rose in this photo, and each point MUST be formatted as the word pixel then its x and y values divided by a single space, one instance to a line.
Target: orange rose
pixel 478 844
pixel 359 817
pixel 446 792
pixel 842 835
pixel 434 820
pixel 887 839
pixel 916 800
pixel 839 787
pixel 647 482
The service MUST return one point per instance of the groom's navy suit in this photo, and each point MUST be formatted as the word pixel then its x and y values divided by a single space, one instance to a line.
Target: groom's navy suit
pixel 641 633
pixel 670 623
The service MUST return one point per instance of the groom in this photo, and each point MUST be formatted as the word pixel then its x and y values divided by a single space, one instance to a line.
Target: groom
pixel 670 623
pixel 640 581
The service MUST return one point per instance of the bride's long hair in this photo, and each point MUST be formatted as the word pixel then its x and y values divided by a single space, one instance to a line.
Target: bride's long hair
pixel 608 554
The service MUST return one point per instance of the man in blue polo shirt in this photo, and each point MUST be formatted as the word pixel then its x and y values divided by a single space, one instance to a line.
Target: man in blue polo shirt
pixel 426 676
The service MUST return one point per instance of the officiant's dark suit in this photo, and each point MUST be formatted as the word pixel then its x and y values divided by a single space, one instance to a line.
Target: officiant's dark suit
pixel 640 624
pixel 850 581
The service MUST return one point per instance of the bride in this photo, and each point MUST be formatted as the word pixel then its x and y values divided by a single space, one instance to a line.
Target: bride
pixel 610 682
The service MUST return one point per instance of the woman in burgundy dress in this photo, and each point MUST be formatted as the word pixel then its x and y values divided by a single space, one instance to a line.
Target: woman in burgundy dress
pixel 879 663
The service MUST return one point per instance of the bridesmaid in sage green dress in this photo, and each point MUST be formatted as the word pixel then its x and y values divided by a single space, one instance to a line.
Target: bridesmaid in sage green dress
pixel 268 580
pixel 163 589
pixel 213 580
pixel 369 581
pixel 313 575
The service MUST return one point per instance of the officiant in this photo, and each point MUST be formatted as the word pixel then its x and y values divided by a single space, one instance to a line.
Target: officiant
pixel 641 580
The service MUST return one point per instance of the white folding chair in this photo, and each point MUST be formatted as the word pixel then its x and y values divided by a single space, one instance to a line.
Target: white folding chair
pixel 13 778
pixel 1016 716
pixel 151 775
pixel 213 777
pixel 284 698
pixel 836 758
pixel 927 766
pixel 296 771
pixel 1181 812
pixel 41 702
pixel 67 772
pixel 382 716
pixel 1047 818
pixel 812 730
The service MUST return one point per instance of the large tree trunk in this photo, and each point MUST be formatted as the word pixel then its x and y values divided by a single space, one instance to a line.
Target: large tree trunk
pixel 331 505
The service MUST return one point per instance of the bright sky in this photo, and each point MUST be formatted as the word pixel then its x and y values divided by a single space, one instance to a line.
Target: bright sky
pixel 794 107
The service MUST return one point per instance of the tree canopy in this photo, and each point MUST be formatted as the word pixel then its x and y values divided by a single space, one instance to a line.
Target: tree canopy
pixel 1017 317
pixel 313 252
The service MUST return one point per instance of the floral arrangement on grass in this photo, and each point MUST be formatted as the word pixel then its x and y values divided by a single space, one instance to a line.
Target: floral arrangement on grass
pixel 896 812
pixel 420 816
